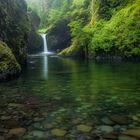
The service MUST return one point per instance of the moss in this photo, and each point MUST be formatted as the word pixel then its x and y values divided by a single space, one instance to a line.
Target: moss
pixel 14 27
pixel 73 50
pixel 8 63
pixel 43 30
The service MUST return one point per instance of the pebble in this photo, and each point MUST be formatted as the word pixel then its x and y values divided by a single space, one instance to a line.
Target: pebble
pixel 84 128
pixel 132 132
pixel 2 138
pixel 37 134
pixel 107 121
pixel 16 132
pixel 119 119
pixel 58 132
pixel 105 128
pixel 123 137
pixel 112 135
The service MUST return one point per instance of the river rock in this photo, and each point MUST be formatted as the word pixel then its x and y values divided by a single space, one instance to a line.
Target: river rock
pixel 5 118
pixel 132 132
pixel 58 132
pixel 107 121
pixel 123 137
pixel 117 127
pixel 14 105
pixel 17 132
pixel 84 128
pixel 112 136
pixel 37 134
pixel 11 124
pixel 105 128
pixel 119 119
pixel 38 126
pixel 2 138
pixel 77 121
pixel 3 130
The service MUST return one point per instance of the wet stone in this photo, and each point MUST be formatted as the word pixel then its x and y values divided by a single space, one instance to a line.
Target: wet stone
pixel 58 132
pixel 117 127
pixel 11 123
pixel 2 138
pixel 38 126
pixel 5 118
pixel 123 137
pixel 77 121
pixel 105 128
pixel 37 134
pixel 14 105
pixel 16 132
pixel 84 128
pixel 107 121
pixel 133 133
pixel 3 130
pixel 119 119
pixel 112 136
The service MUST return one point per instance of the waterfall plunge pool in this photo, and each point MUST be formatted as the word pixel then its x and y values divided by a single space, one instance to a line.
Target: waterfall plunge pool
pixel 72 95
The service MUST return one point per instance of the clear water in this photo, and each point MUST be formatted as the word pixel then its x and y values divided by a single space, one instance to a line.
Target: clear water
pixel 78 82
pixel 80 87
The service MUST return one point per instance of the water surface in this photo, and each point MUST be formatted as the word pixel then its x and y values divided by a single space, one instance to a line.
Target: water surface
pixel 79 88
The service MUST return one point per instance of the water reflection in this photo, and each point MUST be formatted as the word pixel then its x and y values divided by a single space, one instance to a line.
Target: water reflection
pixel 45 66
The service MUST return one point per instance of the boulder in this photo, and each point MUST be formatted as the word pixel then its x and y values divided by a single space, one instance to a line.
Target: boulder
pixel 8 64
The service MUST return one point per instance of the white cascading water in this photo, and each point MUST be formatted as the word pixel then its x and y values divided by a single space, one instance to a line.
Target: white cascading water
pixel 44 43
pixel 45 58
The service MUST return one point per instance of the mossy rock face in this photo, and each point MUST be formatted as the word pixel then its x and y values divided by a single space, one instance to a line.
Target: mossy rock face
pixel 14 27
pixel 58 36
pixel 8 63
pixel 73 51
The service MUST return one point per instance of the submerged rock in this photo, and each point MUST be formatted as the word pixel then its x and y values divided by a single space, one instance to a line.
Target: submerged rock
pixel 17 132
pixel 132 132
pixel 107 121
pixel 120 119
pixel 14 105
pixel 58 132
pixel 36 134
pixel 84 128
pixel 112 136
pixel 105 128
pixel 123 137
pixel 2 138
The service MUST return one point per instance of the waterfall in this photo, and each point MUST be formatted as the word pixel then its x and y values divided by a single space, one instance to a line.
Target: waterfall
pixel 44 43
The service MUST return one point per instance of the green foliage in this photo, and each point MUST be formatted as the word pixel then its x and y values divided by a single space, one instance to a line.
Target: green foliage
pixel 114 32
pixel 43 30
pixel 119 35
pixel 97 27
